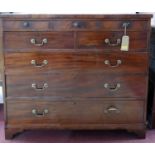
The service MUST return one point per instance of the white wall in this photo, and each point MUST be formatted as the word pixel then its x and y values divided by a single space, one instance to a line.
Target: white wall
pixel 153 20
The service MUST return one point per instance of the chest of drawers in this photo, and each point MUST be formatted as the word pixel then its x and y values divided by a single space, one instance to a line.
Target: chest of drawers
pixel 68 72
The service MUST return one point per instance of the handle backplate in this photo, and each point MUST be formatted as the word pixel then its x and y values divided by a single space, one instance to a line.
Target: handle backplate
pixel 112 109
pixel 113 87
pixel 36 87
pixel 108 42
pixel 44 63
pixel 39 113
pixel 107 62
pixel 34 42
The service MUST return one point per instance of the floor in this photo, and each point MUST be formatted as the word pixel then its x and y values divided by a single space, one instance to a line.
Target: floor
pixel 54 136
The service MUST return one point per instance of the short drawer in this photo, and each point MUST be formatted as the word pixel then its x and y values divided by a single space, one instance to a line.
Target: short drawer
pixel 38 40
pixel 48 62
pixel 111 40
pixel 74 25
pixel 74 112
pixel 25 25
pixel 80 84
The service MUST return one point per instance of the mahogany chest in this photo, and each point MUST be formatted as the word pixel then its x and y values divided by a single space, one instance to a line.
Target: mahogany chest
pixel 69 72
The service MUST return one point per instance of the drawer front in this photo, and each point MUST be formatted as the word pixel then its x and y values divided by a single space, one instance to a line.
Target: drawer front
pixel 138 40
pixel 73 25
pixel 75 112
pixel 38 40
pixel 77 84
pixel 98 25
pixel 49 62
pixel 25 25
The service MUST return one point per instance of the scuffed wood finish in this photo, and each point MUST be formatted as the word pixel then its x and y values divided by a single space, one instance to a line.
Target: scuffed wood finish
pixel 76 60
pixel 79 16
pixel 68 25
pixel 77 84
pixel 75 112
pixel 11 132
pixel 65 40
pixel 88 84
pixel 138 40
pixel 22 40
pixel 99 25
pixel 26 25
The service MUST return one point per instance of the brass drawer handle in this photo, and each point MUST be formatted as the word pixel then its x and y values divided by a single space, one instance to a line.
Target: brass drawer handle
pixel 38 113
pixel 44 63
pixel 33 41
pixel 112 109
pixel 107 41
pixel 34 85
pixel 112 87
pixel 107 62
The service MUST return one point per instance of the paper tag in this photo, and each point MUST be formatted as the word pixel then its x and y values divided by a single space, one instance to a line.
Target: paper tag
pixel 125 43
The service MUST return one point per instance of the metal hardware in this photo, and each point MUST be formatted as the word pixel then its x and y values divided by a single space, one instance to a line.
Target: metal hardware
pixel 79 24
pixel 126 24
pixel 34 85
pixel 112 87
pixel 33 41
pixel 37 113
pixel 44 63
pixel 107 62
pixel 26 24
pixel 107 41
pixel 112 109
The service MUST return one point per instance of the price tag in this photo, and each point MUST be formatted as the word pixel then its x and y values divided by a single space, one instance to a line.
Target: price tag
pixel 125 41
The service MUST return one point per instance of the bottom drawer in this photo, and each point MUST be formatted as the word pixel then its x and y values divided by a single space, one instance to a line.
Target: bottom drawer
pixel 75 112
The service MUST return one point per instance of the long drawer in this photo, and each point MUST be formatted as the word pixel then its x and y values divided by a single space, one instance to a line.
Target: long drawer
pixel 49 62
pixel 38 40
pixel 74 25
pixel 74 112
pixel 77 84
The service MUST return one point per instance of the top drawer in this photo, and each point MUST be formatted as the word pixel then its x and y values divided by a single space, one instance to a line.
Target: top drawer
pixel 74 25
